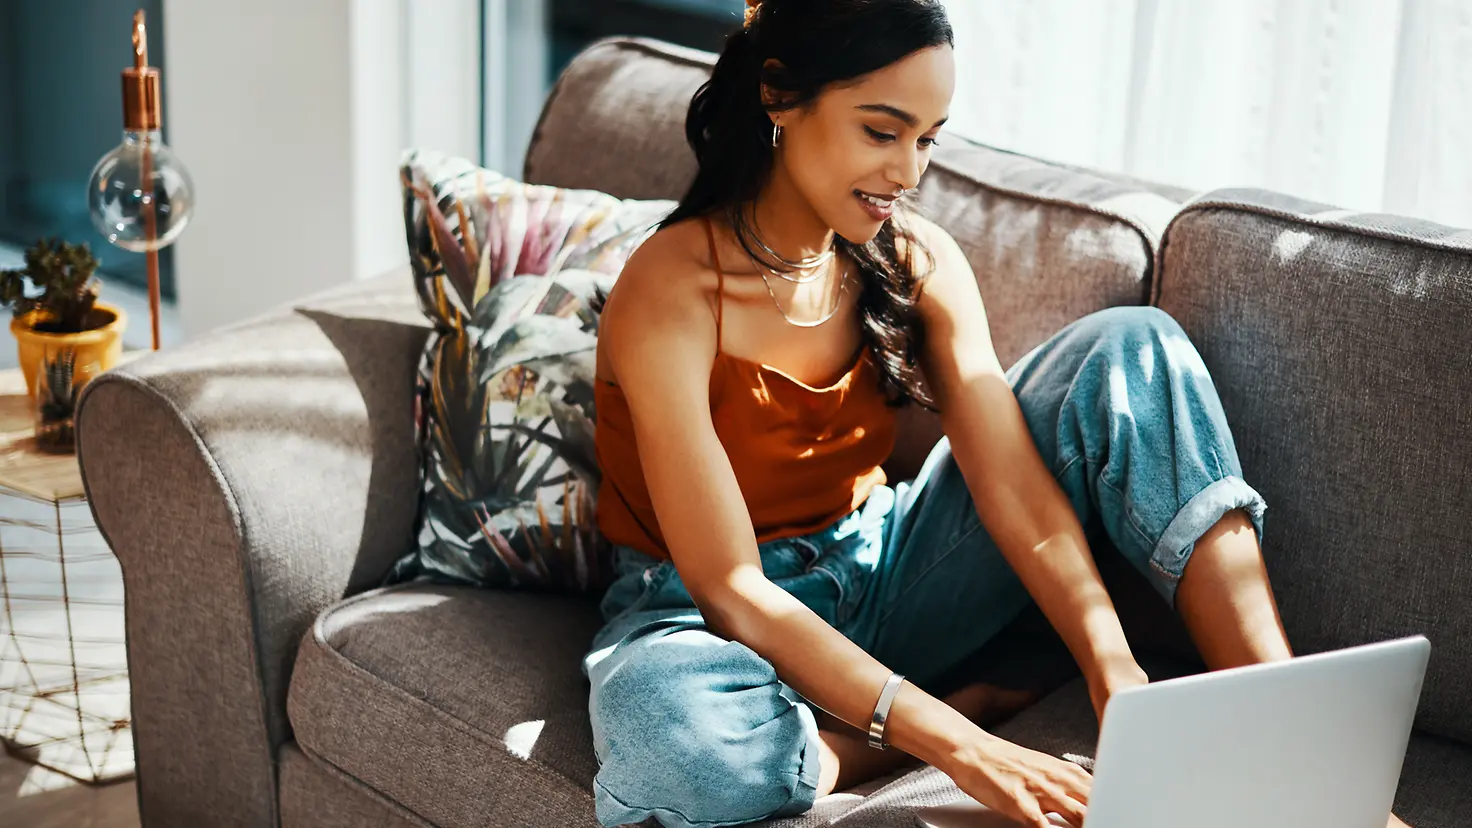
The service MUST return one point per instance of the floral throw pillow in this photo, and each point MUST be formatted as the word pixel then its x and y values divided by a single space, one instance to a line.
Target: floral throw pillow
pixel 508 273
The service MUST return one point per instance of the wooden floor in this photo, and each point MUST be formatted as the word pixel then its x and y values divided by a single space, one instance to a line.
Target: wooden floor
pixel 31 797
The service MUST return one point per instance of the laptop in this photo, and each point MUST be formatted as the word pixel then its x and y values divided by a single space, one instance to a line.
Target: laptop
pixel 1312 742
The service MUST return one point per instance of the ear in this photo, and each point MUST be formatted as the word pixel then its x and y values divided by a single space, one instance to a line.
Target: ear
pixel 772 98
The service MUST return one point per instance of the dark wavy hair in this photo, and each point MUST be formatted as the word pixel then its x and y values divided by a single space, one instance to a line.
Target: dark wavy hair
pixel 797 48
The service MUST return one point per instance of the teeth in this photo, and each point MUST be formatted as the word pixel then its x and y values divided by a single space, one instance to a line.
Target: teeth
pixel 877 202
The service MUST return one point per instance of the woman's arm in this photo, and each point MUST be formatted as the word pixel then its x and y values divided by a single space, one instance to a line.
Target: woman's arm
pixel 1018 500
pixel 659 332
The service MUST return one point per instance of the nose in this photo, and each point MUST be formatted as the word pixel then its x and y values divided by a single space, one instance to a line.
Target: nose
pixel 907 167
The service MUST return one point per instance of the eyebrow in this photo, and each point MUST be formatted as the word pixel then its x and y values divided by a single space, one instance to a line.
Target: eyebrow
pixel 896 112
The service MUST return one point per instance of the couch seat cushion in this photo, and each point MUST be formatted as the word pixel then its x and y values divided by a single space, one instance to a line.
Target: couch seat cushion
pixel 1435 783
pixel 465 706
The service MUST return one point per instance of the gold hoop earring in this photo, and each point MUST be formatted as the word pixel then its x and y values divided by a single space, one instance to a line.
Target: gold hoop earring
pixel 776 134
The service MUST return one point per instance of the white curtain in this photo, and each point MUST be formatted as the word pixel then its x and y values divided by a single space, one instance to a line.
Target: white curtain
pixel 1363 104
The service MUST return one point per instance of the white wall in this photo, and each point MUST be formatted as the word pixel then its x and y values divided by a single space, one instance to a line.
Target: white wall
pixel 259 103
pixel 295 155
pixel 377 133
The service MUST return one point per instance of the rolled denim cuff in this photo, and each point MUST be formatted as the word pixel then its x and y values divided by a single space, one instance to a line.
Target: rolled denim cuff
pixel 805 792
pixel 1200 513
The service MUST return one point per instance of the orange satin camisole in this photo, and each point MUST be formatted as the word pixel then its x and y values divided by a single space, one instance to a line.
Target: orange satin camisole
pixel 803 456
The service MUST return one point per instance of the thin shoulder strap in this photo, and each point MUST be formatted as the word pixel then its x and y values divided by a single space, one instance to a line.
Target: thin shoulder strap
pixel 715 260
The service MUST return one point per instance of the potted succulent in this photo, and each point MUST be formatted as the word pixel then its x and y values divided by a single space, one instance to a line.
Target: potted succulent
pixel 55 312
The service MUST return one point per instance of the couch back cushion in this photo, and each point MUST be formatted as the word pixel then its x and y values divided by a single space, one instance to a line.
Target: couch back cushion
pixel 1341 346
pixel 615 121
pixel 1049 244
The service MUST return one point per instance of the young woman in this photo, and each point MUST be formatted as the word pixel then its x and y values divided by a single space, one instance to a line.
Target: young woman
pixel 775 595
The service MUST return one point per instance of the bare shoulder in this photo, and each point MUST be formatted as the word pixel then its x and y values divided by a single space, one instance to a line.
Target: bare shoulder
pixel 958 342
pixel 936 249
pixel 662 298
pixel 947 274
pixel 665 281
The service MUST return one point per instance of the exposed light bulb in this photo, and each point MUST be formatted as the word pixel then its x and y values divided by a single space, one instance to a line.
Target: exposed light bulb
pixel 138 182
pixel 140 196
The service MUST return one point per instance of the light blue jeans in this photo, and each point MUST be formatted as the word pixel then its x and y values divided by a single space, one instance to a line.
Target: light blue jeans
pixel 696 730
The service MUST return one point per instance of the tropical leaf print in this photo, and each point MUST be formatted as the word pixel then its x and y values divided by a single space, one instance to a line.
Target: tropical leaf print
pixel 508 272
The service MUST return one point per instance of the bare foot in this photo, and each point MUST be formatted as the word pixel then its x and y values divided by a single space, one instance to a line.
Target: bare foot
pixel 987 704
pixel 847 760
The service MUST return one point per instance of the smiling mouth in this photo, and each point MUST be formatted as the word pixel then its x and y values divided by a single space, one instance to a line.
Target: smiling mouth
pixel 877 201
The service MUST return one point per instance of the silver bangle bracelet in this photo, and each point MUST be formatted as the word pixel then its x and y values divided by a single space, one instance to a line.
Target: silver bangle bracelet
pixel 881 711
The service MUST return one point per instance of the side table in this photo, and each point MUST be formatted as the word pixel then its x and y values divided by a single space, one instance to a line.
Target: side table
pixel 64 694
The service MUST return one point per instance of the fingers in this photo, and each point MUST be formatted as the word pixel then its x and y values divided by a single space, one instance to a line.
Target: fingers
pixel 1078 782
pixel 1068 795
pixel 1032 813
pixel 1072 781
pixel 1070 809
pixel 1027 785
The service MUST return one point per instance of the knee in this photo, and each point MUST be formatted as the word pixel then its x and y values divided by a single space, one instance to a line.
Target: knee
pixel 1133 325
pixel 1139 343
pixel 700 734
pixel 662 688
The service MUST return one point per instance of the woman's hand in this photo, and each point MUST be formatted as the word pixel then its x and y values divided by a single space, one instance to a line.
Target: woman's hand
pixel 1019 783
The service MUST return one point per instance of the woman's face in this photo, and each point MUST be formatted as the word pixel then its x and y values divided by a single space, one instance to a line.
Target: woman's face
pixel 858 145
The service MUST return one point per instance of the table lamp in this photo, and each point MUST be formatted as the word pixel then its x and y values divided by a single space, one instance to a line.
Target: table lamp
pixel 139 196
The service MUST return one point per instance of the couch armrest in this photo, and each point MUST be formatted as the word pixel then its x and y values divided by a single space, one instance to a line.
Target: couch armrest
pixel 246 481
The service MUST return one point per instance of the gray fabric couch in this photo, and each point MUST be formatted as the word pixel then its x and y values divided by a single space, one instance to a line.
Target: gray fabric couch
pixel 257 482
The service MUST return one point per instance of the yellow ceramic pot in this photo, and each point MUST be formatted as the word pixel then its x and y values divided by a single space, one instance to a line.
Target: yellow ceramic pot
pixel 97 349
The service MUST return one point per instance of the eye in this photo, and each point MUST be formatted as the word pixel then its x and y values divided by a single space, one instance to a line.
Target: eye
pixel 881 137
pixel 885 138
